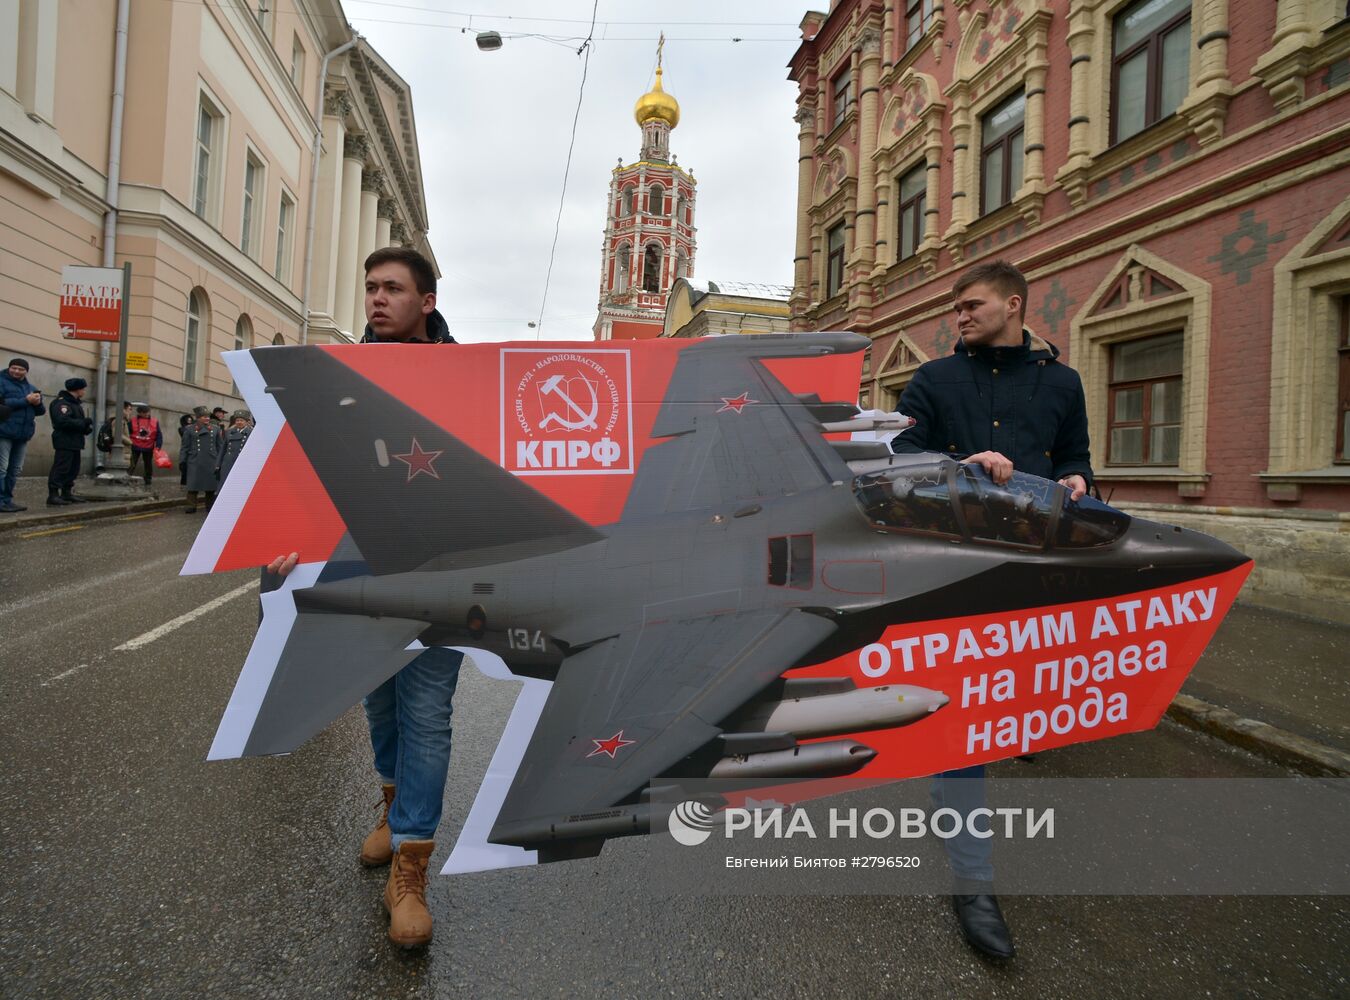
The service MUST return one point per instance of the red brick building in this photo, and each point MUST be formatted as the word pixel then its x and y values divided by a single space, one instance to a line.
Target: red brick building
pixel 649 231
pixel 1171 175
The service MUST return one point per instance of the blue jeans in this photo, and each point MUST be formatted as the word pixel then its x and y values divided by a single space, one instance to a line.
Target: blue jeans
pixel 11 464
pixel 971 858
pixel 409 716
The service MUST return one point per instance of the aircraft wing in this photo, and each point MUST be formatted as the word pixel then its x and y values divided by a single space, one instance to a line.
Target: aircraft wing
pixel 737 432
pixel 629 708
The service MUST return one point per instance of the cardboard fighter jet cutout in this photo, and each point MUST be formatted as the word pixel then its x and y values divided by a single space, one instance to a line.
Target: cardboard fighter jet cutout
pixel 740 590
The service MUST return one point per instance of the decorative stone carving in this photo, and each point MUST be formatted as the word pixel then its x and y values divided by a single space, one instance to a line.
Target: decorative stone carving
pixel 337 103
pixel 356 147
pixel 398 232
pixel 387 208
pixel 373 180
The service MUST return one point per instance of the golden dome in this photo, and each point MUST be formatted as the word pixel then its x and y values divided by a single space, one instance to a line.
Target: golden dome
pixel 656 103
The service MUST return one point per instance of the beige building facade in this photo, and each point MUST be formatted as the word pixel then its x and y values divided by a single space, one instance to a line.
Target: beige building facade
pixel 218 183
pixel 718 308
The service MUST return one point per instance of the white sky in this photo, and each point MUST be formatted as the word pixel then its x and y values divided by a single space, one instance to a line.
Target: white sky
pixel 494 130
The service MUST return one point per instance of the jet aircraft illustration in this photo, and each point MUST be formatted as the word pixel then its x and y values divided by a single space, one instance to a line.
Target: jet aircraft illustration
pixel 750 544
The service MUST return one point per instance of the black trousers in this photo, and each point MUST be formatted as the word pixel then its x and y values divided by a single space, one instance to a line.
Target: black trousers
pixel 149 458
pixel 65 467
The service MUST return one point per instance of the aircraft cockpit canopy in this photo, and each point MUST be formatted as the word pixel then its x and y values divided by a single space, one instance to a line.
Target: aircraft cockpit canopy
pixel 961 502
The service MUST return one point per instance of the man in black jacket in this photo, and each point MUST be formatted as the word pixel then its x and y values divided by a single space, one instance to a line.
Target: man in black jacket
pixel 69 428
pixel 1001 400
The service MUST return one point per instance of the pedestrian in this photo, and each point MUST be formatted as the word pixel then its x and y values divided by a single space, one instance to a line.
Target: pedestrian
pixel 145 438
pixel 409 714
pixel 69 429
pixel 183 423
pixel 1001 400
pixel 17 428
pixel 200 455
pixel 236 437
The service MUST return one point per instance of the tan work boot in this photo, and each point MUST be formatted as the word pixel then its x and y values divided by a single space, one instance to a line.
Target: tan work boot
pixel 375 849
pixel 405 894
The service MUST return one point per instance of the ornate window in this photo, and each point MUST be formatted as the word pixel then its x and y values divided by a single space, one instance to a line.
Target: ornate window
pixel 1144 410
pixel 651 268
pixel 622 258
pixel 834 261
pixel 255 186
pixel 1141 346
pixel 196 331
pixel 627 209
pixel 901 362
pixel 1310 361
pixel 1001 153
pixel 281 269
pixel 841 96
pixel 1150 65
pixel 210 139
pixel 912 192
pixel 918 16
pixel 656 200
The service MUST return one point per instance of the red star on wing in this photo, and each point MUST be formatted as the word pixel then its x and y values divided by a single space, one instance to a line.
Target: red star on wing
pixel 419 461
pixel 610 746
pixel 737 403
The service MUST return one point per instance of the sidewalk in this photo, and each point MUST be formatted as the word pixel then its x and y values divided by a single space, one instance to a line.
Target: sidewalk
pixel 31 492
pixel 1271 682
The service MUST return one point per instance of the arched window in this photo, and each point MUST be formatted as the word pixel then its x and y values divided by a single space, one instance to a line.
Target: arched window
pixel 651 268
pixel 628 200
pixel 243 339
pixel 278 340
pixel 682 210
pixel 196 331
pixel 656 200
pixel 622 260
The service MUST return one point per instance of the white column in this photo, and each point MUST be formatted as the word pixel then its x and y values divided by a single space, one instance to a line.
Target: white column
pixel 328 207
pixel 9 47
pixel 365 243
pixel 349 231
pixel 384 222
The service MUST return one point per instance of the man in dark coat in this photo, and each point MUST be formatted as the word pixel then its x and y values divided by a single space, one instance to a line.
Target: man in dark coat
pixel 235 439
pixel 1001 400
pixel 200 453
pixel 69 428
pixel 24 403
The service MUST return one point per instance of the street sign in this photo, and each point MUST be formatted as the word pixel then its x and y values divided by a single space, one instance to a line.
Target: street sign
pixel 91 303
pixel 138 362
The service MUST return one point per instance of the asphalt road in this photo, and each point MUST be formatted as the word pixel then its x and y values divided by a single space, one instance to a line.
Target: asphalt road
pixel 133 868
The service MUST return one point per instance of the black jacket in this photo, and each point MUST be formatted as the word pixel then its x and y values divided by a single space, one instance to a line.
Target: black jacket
pixel 437 329
pixel 1018 401
pixel 69 424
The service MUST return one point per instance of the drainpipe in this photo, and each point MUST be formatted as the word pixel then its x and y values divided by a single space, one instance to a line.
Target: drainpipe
pixel 110 216
pixel 315 153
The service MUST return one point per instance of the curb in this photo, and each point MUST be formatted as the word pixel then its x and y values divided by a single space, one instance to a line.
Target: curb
pixel 92 511
pixel 1279 745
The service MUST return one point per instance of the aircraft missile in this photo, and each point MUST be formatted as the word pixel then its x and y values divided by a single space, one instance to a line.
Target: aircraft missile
pixel 812 760
pixel 840 711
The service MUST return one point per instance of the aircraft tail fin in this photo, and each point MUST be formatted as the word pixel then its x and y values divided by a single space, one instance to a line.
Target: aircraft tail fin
pixel 407 489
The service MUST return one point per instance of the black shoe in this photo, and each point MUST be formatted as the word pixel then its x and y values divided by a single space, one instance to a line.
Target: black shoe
pixel 983 925
pixel 11 507
pixel 72 498
pixel 56 500
pixel 189 510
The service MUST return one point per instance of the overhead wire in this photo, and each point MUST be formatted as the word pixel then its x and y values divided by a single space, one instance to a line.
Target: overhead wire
pixel 585 53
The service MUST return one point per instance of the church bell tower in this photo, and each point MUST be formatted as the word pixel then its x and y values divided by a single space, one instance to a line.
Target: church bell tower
pixel 649 230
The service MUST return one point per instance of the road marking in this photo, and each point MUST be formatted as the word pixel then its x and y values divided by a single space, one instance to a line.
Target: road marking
pixel 181 620
pixel 52 531
pixel 142 517
pixel 96 583
pixel 64 674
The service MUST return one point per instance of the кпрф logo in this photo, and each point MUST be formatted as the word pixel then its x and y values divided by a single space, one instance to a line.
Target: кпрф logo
pixel 690 823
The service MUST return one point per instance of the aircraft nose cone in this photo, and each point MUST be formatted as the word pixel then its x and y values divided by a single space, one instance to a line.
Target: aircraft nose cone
pixel 1167 545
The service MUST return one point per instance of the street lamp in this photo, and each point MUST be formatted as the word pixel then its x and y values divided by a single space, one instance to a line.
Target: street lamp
pixel 489 41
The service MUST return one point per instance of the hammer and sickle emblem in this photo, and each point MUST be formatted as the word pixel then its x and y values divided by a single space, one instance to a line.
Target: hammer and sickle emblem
pixel 557 385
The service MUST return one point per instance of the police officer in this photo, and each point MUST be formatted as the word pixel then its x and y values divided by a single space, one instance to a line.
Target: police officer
pixel 69 429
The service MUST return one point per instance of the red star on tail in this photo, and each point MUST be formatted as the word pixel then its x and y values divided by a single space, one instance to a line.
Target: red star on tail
pixel 419 461
pixel 737 403
pixel 610 746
